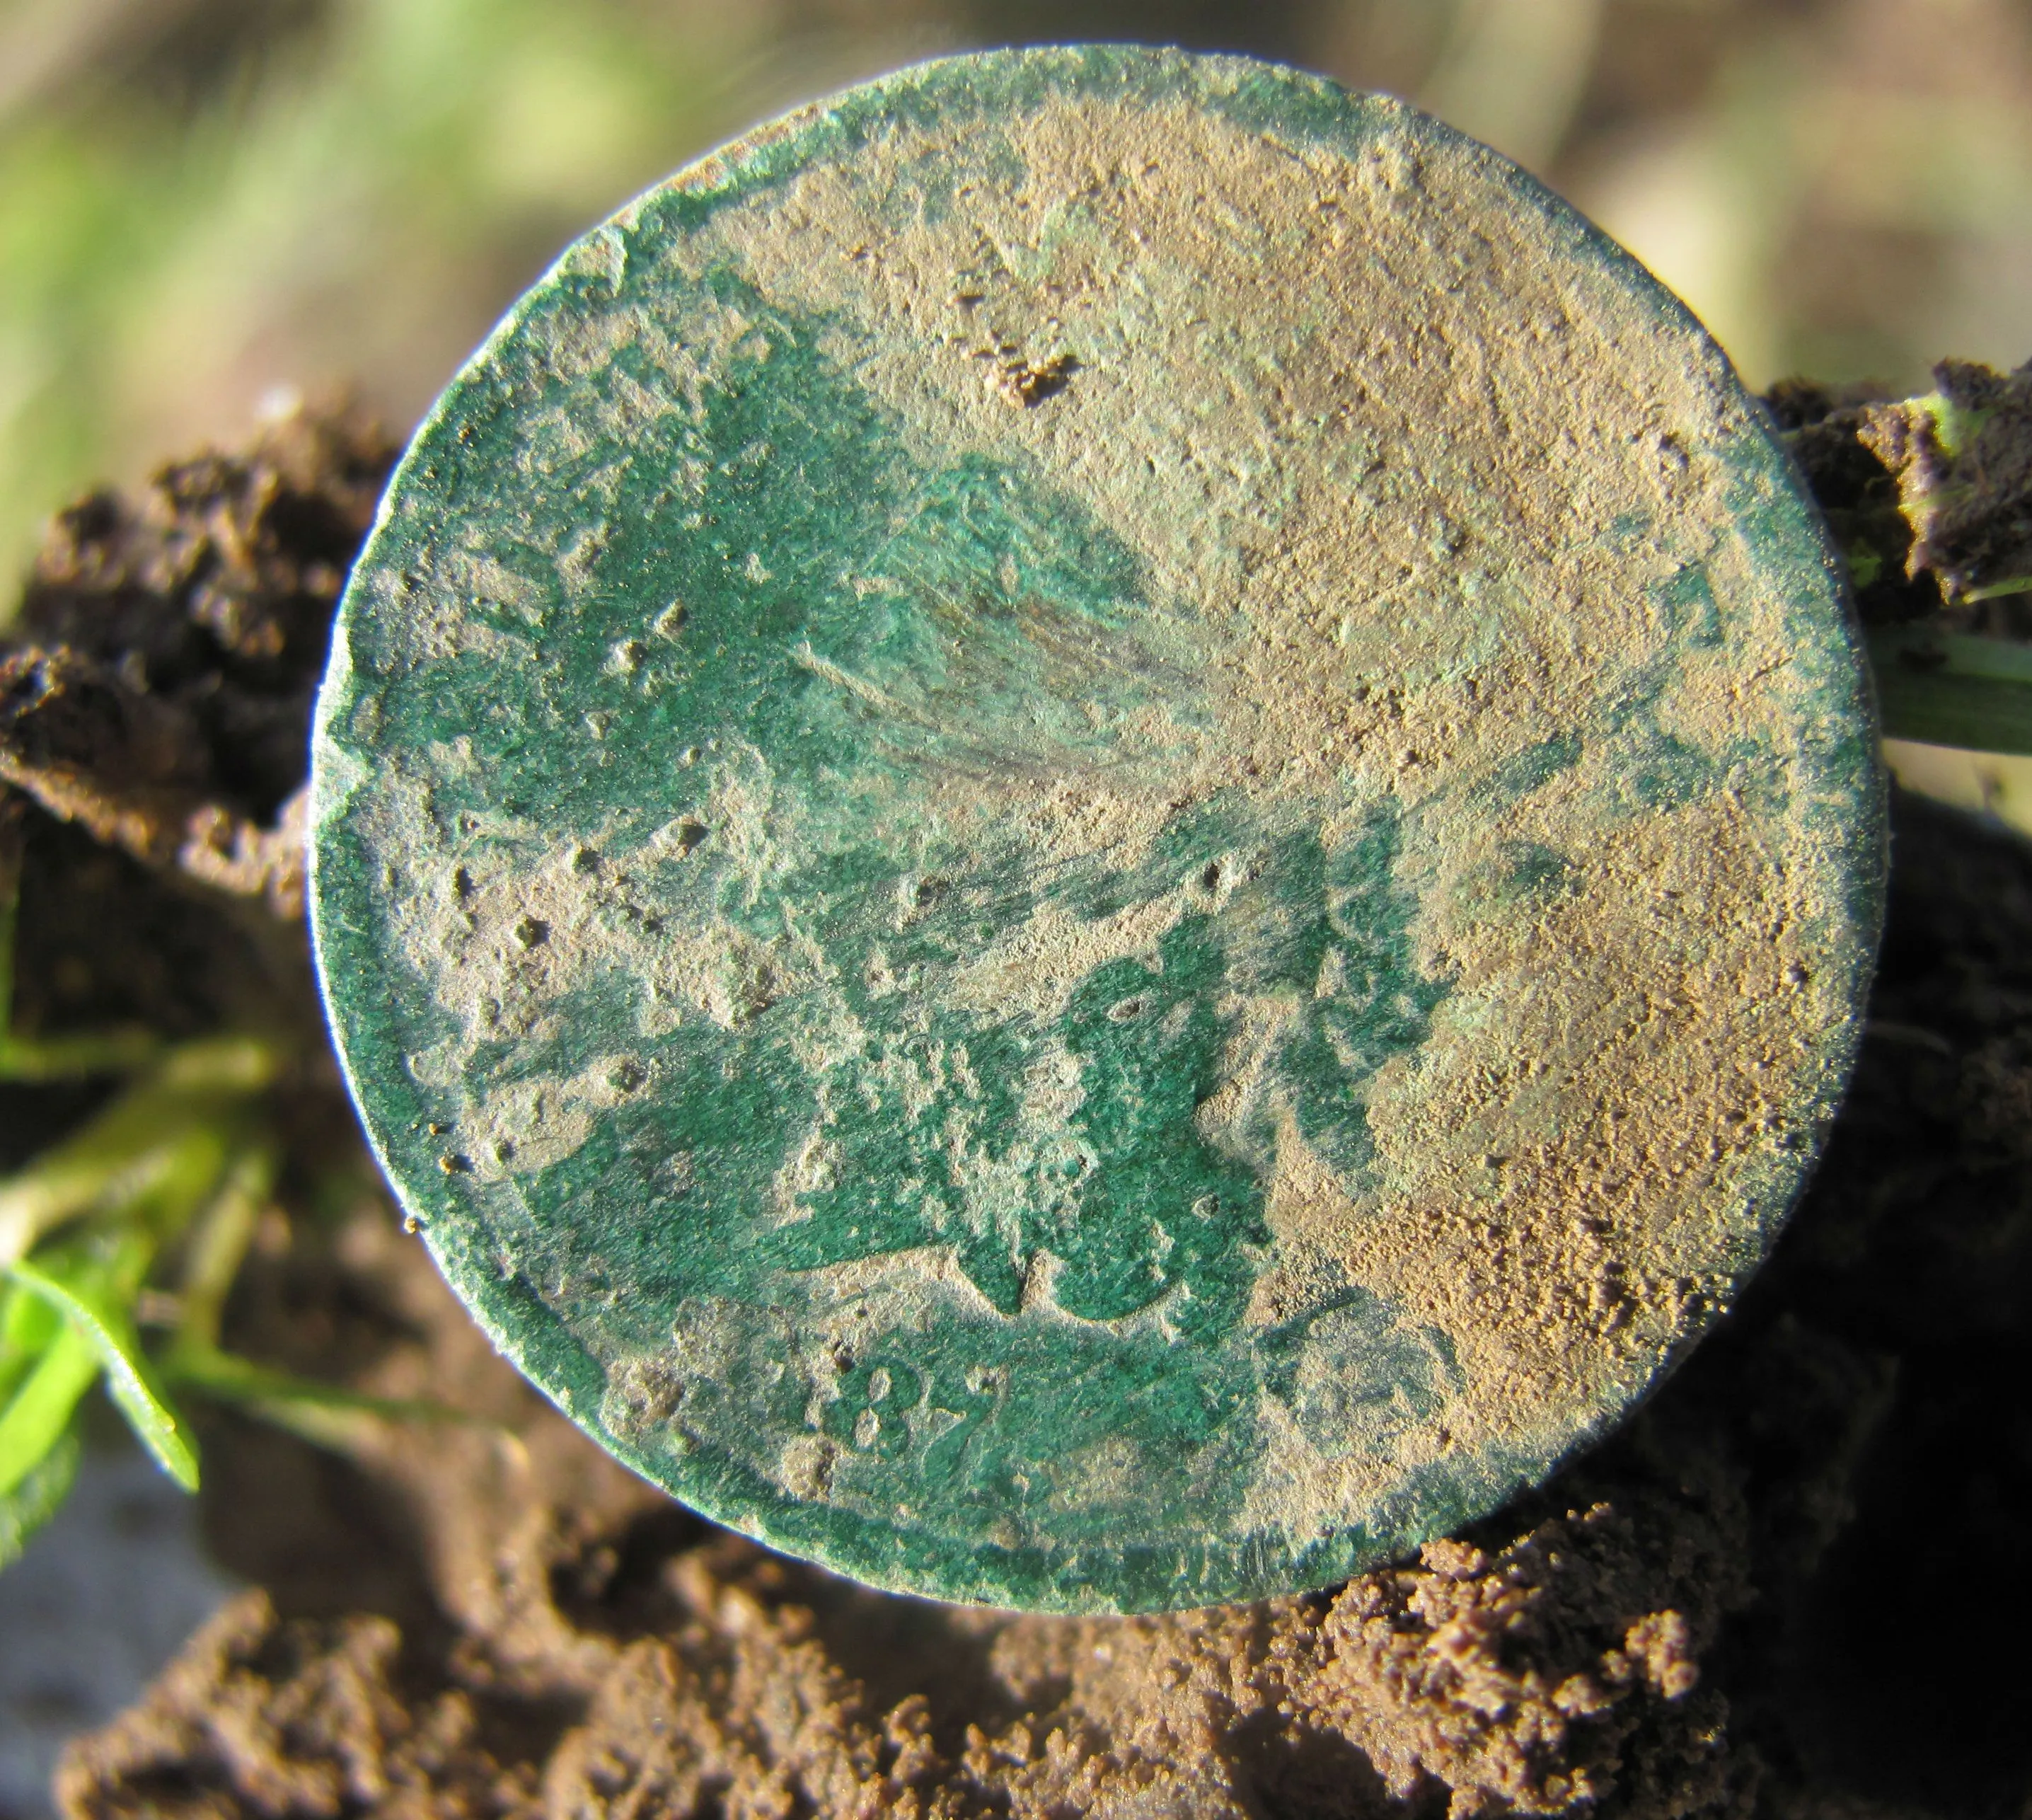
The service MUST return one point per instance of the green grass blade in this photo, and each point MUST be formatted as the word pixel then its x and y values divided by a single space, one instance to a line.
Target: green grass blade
pixel 118 1052
pixel 39 1416
pixel 218 1243
pixel 228 1377
pixel 38 1497
pixel 179 1177
pixel 169 1132
pixel 129 1378
pixel 1949 690
pixel 322 1414
pixel 216 1067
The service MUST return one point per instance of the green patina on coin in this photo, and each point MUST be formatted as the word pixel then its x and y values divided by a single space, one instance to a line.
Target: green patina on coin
pixel 1097 832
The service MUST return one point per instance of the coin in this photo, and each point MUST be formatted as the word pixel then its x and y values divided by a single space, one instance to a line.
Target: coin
pixel 1097 832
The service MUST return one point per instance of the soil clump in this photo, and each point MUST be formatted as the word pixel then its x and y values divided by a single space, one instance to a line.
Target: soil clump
pixel 1792 1587
pixel 1930 499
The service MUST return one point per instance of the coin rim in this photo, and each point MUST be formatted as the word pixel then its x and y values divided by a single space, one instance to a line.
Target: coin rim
pixel 1262 96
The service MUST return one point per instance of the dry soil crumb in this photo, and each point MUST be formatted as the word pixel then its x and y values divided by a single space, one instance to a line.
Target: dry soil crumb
pixel 1930 497
pixel 163 665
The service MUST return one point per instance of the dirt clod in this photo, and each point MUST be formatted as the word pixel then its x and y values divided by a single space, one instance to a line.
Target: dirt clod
pixel 1963 464
pixel 1929 498
pixel 168 650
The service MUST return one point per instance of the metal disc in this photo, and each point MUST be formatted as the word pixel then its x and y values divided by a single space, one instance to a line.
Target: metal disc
pixel 1097 832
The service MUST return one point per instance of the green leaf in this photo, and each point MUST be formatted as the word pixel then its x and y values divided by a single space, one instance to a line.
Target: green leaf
pixel 28 1324
pixel 130 1380
pixel 38 1497
pixel 38 1416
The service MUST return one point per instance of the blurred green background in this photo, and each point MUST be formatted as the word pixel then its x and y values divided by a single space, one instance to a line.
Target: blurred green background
pixel 206 203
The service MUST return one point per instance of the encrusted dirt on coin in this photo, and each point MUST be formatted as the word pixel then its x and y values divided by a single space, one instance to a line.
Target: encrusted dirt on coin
pixel 1793 1586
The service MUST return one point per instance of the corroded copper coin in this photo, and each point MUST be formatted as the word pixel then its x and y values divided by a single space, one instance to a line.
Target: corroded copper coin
pixel 1097 831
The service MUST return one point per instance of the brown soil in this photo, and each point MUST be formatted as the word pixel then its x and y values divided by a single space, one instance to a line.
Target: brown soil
pixel 1794 1586
pixel 1928 529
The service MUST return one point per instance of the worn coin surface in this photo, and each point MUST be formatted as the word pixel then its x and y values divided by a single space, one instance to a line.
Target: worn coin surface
pixel 1097 831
